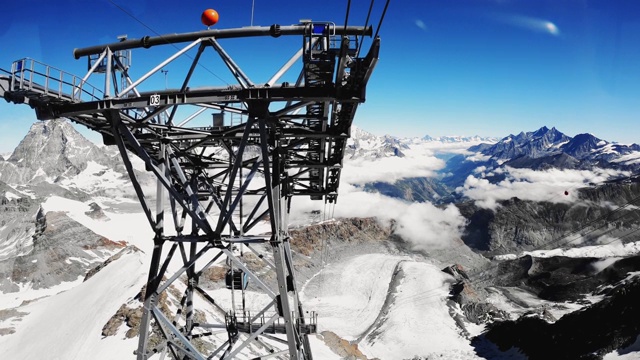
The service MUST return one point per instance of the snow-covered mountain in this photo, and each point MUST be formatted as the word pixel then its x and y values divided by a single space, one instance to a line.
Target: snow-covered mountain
pixel 363 144
pixel 583 150
pixel 413 281
pixel 459 139
pixel 541 150
pixel 536 144
pixel 52 151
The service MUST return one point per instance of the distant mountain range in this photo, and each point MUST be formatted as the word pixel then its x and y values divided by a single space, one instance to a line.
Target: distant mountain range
pixel 545 145
pixel 550 148
pixel 543 149
pixel 363 144
pixel 459 139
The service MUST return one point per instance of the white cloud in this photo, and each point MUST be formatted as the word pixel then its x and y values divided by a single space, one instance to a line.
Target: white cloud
pixel 528 23
pixel 629 159
pixel 478 157
pixel 549 185
pixel 450 147
pixel 419 23
pixel 422 224
pixel 420 161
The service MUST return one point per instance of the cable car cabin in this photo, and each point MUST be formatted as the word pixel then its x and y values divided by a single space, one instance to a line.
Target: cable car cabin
pixel 238 280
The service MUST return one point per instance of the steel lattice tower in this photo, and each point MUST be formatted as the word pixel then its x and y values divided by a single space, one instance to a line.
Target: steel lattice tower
pixel 269 142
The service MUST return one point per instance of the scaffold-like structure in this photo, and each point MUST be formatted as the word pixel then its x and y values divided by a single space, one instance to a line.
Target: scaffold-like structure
pixel 266 143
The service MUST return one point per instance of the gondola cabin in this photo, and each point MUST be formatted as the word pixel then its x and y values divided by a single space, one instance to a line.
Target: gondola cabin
pixel 236 280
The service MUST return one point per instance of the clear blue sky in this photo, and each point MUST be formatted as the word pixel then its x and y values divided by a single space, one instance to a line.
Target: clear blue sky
pixel 481 67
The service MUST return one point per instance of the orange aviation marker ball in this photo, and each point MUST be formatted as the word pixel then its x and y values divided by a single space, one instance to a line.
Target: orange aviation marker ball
pixel 209 17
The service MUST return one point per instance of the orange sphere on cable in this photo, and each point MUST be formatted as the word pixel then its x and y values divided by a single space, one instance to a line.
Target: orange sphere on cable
pixel 209 17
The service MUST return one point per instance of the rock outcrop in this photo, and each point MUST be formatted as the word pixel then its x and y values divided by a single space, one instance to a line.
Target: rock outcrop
pixel 585 334
pixel 518 225
pixel 62 250
pixel 312 238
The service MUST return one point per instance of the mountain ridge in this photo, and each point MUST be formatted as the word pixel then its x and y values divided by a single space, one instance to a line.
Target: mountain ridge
pixel 546 142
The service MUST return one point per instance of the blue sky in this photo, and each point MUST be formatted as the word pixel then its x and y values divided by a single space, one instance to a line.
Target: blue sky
pixel 481 67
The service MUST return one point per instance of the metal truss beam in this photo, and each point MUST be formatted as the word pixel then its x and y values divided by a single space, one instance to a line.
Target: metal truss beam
pixel 222 179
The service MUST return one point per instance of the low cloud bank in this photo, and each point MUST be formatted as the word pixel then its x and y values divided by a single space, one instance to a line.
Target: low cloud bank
pixel 390 169
pixel 421 160
pixel 554 185
pixel 422 224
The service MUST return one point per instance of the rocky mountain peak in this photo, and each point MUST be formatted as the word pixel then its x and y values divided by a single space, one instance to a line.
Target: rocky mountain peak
pixel 542 131
pixel 51 150
pixel 363 144
pixel 54 136
pixel 582 144
pixel 539 143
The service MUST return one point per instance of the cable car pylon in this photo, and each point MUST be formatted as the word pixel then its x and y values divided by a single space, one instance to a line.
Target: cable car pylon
pixel 287 139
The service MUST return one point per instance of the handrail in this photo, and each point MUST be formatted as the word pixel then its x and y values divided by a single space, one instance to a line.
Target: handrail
pixel 32 75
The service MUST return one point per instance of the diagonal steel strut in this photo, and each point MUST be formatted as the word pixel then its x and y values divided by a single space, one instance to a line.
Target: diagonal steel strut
pixel 289 141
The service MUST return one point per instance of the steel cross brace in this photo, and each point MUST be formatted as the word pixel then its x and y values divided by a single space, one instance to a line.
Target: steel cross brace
pixel 290 142
pixel 180 184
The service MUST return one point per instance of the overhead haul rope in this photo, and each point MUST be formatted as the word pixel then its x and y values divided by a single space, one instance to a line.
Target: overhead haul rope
pixel 324 236
pixel 386 5
pixel 366 23
pixel 346 19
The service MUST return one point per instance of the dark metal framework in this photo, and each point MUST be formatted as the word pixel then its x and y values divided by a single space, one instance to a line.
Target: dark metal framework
pixel 269 142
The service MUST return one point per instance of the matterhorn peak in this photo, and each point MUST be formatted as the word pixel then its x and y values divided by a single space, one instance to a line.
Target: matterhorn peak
pixel 46 137
pixel 50 150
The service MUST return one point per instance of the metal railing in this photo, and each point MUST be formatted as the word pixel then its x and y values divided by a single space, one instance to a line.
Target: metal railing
pixel 31 75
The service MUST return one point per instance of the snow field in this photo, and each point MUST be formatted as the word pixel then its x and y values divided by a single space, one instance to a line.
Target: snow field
pixel 68 326
pixel 130 227
pixel 632 352
pixel 11 196
pixel 610 249
pixel 503 299
pixel 417 321
pixel 358 299
pixel 320 351
pixel 348 295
